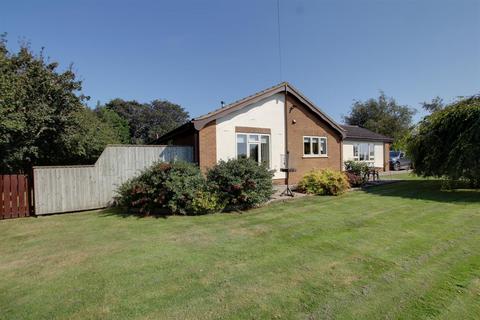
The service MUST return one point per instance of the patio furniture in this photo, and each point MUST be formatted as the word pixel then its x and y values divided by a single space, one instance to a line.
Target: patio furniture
pixel 374 172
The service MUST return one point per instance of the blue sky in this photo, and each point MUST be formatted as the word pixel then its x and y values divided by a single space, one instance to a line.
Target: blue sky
pixel 197 53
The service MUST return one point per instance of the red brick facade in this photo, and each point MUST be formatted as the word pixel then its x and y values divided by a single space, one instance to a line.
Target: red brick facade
pixel 303 122
pixel 207 146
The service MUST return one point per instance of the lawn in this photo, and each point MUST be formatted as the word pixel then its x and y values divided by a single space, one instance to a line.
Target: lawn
pixel 405 250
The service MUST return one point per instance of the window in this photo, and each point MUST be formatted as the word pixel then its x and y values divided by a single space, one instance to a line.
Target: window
pixel 364 152
pixel 314 146
pixel 241 145
pixel 265 150
pixel 254 146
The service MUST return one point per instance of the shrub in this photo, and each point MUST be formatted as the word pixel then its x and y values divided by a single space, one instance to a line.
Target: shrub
pixel 324 182
pixel 358 168
pixel 354 180
pixel 171 186
pixel 241 183
pixel 206 202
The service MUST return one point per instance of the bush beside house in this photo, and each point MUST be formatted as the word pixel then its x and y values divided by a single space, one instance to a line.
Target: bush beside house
pixel 324 182
pixel 181 188
pixel 163 186
pixel 241 183
pixel 356 172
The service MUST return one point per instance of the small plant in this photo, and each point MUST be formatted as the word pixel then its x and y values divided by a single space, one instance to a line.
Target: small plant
pixel 241 183
pixel 324 182
pixel 354 180
pixel 357 167
pixel 206 202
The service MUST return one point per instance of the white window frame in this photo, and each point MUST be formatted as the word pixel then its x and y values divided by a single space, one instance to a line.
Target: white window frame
pixel 259 145
pixel 370 148
pixel 319 154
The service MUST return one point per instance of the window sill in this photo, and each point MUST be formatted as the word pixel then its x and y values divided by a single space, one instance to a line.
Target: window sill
pixel 315 156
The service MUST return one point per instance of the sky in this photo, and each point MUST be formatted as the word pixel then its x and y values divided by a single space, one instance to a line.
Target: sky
pixel 198 53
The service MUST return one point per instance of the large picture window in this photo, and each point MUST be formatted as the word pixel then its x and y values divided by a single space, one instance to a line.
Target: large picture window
pixel 314 146
pixel 364 152
pixel 254 146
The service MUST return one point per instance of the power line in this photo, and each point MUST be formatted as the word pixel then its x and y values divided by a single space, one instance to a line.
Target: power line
pixel 279 41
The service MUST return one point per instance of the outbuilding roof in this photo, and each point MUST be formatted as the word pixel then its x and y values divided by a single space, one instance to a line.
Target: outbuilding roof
pixel 359 133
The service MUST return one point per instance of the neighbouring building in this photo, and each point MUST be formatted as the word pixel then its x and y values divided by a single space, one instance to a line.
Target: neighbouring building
pixel 273 123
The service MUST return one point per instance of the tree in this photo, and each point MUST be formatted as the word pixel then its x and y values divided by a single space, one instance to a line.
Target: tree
pixel 166 117
pixel 43 120
pixel 382 115
pixel 135 113
pixel 118 124
pixel 86 140
pixel 447 142
pixel 36 104
pixel 149 121
pixel 435 105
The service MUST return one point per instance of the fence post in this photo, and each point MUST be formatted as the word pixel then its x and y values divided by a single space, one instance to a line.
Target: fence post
pixel 30 192
pixel 1 198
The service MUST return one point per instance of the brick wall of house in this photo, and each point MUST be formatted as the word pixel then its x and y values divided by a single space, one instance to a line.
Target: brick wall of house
pixel 207 146
pixel 302 122
pixel 386 156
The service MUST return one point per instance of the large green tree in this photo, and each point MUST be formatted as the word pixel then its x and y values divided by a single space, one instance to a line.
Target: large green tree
pixel 42 113
pixel 149 121
pixel 86 140
pixel 382 115
pixel 446 143
pixel 118 124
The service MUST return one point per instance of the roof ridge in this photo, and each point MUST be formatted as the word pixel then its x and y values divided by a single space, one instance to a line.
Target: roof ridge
pixel 240 100
pixel 284 86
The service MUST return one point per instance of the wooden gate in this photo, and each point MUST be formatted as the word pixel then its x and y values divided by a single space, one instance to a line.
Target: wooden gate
pixel 16 196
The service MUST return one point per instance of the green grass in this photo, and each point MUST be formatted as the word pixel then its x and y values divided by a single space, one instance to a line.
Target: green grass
pixel 405 250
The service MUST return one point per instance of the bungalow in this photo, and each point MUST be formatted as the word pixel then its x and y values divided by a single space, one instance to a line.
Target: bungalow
pixel 274 125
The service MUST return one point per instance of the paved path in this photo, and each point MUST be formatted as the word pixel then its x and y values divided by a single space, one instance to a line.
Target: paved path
pixel 392 173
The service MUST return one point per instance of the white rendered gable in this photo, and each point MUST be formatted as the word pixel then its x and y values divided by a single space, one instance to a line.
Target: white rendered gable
pixel 268 113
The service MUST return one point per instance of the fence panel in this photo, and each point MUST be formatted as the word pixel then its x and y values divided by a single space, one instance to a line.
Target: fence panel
pixel 74 188
pixel 15 196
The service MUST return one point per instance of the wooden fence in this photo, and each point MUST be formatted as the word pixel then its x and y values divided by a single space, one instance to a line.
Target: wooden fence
pixel 15 196
pixel 74 188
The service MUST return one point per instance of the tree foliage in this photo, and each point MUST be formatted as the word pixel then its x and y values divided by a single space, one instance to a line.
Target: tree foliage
pixel 435 105
pixel 86 140
pixel 382 115
pixel 44 119
pixel 36 107
pixel 118 124
pixel 447 142
pixel 149 121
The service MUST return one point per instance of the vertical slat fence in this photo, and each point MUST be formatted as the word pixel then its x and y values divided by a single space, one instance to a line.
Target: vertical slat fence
pixel 14 196
pixel 73 188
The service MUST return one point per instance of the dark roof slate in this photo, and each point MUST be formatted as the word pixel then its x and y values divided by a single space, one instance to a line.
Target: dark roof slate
pixel 356 132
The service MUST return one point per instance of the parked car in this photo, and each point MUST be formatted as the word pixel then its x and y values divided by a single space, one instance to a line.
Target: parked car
pixel 399 161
